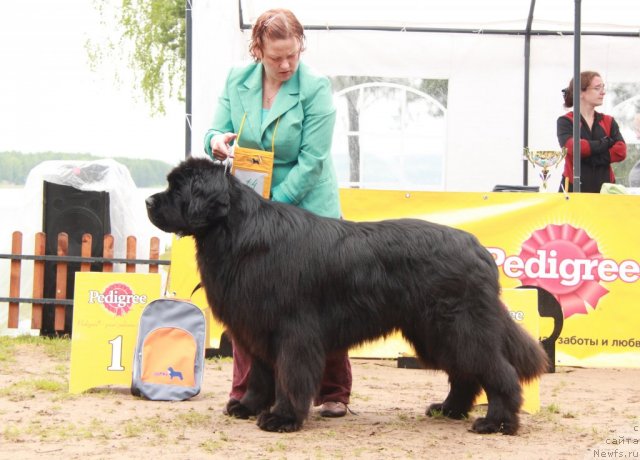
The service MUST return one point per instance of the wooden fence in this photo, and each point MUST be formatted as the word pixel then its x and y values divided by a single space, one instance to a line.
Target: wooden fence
pixel 62 261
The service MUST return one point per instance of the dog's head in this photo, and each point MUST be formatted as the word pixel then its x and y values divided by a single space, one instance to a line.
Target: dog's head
pixel 197 196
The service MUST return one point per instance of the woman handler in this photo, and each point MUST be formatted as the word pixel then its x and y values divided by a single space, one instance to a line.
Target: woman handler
pixel 281 102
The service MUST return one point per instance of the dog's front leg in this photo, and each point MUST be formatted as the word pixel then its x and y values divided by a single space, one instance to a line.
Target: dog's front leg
pixel 259 395
pixel 298 370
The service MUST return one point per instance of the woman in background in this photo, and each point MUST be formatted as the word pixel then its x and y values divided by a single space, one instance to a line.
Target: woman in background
pixel 600 140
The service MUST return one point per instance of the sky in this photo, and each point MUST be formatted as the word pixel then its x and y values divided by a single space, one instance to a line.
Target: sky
pixel 50 100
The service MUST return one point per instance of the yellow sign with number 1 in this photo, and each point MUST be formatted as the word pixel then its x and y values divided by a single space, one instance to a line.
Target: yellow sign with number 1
pixel 106 312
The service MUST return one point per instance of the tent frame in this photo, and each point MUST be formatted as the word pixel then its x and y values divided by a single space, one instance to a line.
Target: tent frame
pixel 528 32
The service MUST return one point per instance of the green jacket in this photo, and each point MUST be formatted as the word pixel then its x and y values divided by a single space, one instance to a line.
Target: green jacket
pixel 303 172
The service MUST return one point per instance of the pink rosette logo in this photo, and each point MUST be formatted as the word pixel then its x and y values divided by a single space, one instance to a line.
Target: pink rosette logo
pixel 562 262
pixel 566 262
pixel 118 298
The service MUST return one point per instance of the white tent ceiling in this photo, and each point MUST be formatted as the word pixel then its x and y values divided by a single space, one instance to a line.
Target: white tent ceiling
pixel 610 16
pixel 503 82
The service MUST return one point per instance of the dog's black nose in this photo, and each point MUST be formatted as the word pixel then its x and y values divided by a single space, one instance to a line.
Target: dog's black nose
pixel 149 201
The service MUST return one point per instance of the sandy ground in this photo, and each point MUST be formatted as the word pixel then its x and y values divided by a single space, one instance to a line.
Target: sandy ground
pixel 586 413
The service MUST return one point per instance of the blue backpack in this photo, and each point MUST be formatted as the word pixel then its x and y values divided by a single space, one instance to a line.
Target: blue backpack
pixel 168 361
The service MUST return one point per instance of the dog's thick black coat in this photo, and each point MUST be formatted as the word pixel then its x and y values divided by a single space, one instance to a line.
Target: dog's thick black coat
pixel 291 287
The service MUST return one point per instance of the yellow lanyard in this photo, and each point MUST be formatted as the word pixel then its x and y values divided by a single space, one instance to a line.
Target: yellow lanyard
pixel 273 138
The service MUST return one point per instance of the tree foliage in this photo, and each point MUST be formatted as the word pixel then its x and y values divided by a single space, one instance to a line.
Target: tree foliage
pixel 149 36
pixel 15 167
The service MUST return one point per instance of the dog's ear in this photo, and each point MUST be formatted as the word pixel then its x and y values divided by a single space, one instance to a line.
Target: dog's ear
pixel 209 198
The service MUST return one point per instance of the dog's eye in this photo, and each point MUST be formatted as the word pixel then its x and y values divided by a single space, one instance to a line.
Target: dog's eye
pixel 173 191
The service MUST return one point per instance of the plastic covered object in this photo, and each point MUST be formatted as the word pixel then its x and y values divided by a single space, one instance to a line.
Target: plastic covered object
pixel 128 216
pixel 23 212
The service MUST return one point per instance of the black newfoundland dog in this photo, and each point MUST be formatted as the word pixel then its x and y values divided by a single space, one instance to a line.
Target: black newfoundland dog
pixel 291 287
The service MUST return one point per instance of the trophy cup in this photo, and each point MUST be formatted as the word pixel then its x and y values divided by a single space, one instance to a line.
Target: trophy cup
pixel 545 160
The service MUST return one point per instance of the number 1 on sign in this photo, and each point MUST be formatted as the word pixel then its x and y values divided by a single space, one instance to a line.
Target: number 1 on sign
pixel 116 354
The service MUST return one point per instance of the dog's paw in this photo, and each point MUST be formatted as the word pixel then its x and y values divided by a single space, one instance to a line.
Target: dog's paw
pixel 440 410
pixel 237 410
pixel 268 421
pixel 486 426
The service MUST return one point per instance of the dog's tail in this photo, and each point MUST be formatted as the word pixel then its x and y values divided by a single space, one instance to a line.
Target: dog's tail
pixel 524 352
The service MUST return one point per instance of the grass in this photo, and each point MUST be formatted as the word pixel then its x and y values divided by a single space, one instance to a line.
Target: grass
pixel 278 446
pixel 558 388
pixel 218 360
pixel 36 408
pixel 552 408
pixel 156 428
pixel 355 395
pixel 53 347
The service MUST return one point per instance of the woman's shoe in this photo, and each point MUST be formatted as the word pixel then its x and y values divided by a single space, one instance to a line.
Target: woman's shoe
pixel 333 409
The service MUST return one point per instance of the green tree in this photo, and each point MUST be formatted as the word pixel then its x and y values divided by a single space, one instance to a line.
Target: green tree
pixel 148 36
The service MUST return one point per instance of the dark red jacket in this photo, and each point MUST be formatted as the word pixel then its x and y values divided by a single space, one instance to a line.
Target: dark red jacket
pixel 598 149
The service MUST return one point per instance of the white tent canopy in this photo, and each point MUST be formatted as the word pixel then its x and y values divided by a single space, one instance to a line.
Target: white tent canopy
pixel 474 15
pixel 449 91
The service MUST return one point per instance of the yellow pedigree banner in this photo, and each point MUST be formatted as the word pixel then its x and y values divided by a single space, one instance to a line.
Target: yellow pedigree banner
pixel 183 284
pixel 106 312
pixel 581 248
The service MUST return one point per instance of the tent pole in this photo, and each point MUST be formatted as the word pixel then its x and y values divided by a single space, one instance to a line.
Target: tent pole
pixel 527 67
pixel 188 61
pixel 577 89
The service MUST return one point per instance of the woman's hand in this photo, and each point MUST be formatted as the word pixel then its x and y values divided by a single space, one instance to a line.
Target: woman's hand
pixel 220 145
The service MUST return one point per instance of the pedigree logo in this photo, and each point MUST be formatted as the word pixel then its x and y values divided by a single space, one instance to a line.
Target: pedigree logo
pixel 118 298
pixel 566 261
